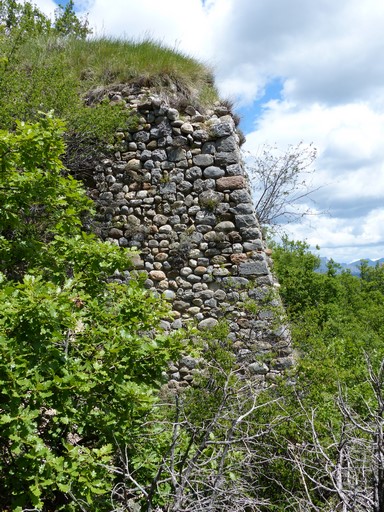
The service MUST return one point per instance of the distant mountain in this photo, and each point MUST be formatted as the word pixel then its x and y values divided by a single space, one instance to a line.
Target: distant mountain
pixel 353 267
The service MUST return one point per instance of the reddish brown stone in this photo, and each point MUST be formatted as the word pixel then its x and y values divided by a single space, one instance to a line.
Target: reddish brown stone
pixel 230 183
pixel 238 258
pixel 157 275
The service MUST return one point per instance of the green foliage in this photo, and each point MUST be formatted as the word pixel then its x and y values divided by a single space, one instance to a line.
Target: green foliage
pixel 22 25
pixel 336 318
pixel 81 358
pixel 67 24
pixel 41 77
pixel 25 19
pixel 21 20
pixel 336 321
pixel 37 201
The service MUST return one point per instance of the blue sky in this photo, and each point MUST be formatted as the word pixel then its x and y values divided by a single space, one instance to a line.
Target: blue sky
pixel 329 92
pixel 250 113
pixel 63 3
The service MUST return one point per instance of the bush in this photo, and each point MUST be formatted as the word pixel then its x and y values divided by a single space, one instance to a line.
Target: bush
pixel 81 358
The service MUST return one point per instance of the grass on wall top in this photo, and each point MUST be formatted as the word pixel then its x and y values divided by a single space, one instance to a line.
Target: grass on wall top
pixel 127 61
pixel 105 61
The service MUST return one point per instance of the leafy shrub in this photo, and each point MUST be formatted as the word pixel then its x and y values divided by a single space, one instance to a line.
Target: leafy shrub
pixel 81 359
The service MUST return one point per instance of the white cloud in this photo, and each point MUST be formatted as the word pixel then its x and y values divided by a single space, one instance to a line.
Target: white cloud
pixel 328 50
pixel 181 25
pixel 342 240
pixel 349 170
pixel 243 85
pixel 48 7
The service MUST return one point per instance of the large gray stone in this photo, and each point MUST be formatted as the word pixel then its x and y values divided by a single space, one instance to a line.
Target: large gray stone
pixel 213 172
pixel 141 136
pixel 145 155
pixel 227 158
pixel 222 129
pixel 116 187
pixel 195 237
pixel 221 272
pixel 159 155
pixel 193 210
pixel 283 363
pixel 173 114
pixel 225 225
pixel 106 196
pixel 193 173
pixel 180 305
pixel 115 233
pixel 167 188
pixel 243 208
pixel 160 220
pixel 176 154
pixel 227 144
pixel 203 160
pixel 176 175
pixel 208 323
pixel 164 129
pixel 235 282
pixel 253 268
pixel 205 218
pixel 193 278
pixel 245 221
pixel 211 236
pixel 177 324
pixel 200 135
pixel 189 362
pixel 209 148
pixel 198 186
pixel 256 245
pixel 169 294
pixel 241 196
pixel 258 368
pixel 186 128
pixel 185 187
pixel 235 170
pixel 180 141
pixel 210 199
pixel 123 242
pixel 250 233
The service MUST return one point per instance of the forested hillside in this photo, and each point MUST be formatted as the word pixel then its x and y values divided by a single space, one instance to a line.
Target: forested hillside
pixel 86 423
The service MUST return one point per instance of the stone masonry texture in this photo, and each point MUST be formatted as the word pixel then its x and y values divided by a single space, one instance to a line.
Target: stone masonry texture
pixel 176 189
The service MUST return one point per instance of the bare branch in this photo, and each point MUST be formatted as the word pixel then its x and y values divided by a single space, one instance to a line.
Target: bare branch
pixel 280 181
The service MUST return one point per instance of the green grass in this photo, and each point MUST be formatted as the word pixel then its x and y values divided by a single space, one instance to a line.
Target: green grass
pixel 106 61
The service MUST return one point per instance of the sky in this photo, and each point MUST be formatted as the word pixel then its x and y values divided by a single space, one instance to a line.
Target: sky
pixel 297 71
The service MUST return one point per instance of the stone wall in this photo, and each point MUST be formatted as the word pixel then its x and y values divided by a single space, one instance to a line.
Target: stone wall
pixel 176 189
